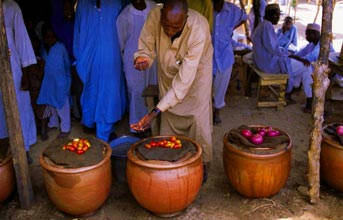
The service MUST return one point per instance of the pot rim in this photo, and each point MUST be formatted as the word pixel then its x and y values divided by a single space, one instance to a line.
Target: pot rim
pixel 48 167
pixel 165 165
pixel 257 156
pixel 327 139
pixel 7 160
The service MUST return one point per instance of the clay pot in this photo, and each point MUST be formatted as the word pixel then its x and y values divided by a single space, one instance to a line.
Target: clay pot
pixel 162 187
pixel 78 191
pixel 7 181
pixel 331 162
pixel 256 175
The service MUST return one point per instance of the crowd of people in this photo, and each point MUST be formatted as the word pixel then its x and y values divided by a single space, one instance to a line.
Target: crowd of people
pixel 94 63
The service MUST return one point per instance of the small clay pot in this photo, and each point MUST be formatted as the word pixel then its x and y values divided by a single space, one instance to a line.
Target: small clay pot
pixel 162 187
pixel 331 162
pixel 78 191
pixel 7 181
pixel 256 175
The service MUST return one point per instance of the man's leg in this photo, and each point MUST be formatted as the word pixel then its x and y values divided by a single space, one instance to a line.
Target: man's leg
pixel 104 130
pixel 64 115
pixel 220 84
pixel 53 120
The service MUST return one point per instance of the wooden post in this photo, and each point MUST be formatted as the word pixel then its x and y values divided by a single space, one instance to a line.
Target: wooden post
pixel 24 186
pixel 320 85
pixel 246 29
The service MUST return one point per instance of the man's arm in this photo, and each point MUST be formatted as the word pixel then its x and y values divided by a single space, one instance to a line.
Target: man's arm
pixel 270 41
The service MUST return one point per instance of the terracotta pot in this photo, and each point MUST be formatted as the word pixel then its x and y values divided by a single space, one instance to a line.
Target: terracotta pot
pixel 7 181
pixel 162 187
pixel 331 162
pixel 78 191
pixel 256 175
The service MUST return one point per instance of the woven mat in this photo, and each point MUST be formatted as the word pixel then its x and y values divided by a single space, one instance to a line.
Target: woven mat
pixel 166 154
pixel 236 138
pixel 68 159
pixel 331 130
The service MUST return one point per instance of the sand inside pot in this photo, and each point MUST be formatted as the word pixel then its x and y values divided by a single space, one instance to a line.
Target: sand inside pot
pixel 330 130
pixel 270 145
pixel 64 158
pixel 166 154
pixel 4 149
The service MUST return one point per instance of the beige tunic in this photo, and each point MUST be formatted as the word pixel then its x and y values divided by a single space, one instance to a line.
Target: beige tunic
pixel 184 77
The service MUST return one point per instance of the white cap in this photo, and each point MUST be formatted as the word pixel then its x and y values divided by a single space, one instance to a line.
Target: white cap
pixel 313 26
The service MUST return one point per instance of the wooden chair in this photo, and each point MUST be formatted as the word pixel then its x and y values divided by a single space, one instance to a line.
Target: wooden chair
pixel 151 97
pixel 271 81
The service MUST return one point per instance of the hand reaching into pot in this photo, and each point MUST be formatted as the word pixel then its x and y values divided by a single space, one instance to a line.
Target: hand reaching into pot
pixel 145 122
pixel 141 63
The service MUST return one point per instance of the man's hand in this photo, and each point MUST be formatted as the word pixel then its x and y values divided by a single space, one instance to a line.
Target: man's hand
pixel 141 63
pixel 300 59
pixel 145 122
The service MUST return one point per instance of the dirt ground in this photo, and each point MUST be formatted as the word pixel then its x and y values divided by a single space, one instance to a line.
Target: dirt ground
pixel 216 199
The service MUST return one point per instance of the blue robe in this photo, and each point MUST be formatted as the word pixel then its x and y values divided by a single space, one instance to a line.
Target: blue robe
pixel 98 63
pixel 56 83
pixel 267 53
pixel 22 55
pixel 287 38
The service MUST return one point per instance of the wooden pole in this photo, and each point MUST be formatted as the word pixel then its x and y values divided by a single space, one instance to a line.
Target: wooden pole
pixel 24 186
pixel 246 28
pixel 320 84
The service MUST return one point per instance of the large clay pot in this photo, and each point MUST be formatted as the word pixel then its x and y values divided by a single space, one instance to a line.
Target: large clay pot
pixel 256 175
pixel 163 187
pixel 78 191
pixel 331 162
pixel 6 178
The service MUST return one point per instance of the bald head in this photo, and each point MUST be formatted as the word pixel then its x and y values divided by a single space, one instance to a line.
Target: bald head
pixel 173 16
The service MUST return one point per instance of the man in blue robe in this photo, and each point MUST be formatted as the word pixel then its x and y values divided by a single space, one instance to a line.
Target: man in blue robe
pixel 226 18
pixel 98 63
pixel 22 55
pixel 271 58
pixel 287 35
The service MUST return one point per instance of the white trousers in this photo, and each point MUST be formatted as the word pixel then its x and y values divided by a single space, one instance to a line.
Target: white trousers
pixel 220 84
pixel 300 73
pixel 63 114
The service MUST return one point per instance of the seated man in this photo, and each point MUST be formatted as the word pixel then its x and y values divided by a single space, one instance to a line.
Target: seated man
pixel 269 57
pixel 310 52
pixel 287 35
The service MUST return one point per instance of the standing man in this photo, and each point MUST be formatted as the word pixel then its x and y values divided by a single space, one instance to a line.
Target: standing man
pixel 98 63
pixel 22 55
pixel 179 38
pixel 129 24
pixel 227 17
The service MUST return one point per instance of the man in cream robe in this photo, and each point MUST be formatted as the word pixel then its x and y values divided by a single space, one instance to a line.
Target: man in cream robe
pixel 184 61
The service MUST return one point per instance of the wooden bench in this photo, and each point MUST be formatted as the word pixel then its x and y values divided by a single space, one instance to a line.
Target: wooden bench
pixel 271 81
pixel 151 97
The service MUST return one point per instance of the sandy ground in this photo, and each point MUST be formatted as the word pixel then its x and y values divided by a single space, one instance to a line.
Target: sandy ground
pixel 217 199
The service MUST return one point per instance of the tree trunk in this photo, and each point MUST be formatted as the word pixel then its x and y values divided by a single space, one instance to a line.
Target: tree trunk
pixel 320 84
pixel 24 186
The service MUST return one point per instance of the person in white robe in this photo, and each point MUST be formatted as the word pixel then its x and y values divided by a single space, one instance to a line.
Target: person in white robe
pixel 129 25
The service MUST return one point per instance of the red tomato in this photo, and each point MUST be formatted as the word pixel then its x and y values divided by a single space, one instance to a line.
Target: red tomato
pixel 79 152
pixel 147 146
pixel 85 149
pixel 153 144
pixel 173 139
pixel 177 146
pixel 72 149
